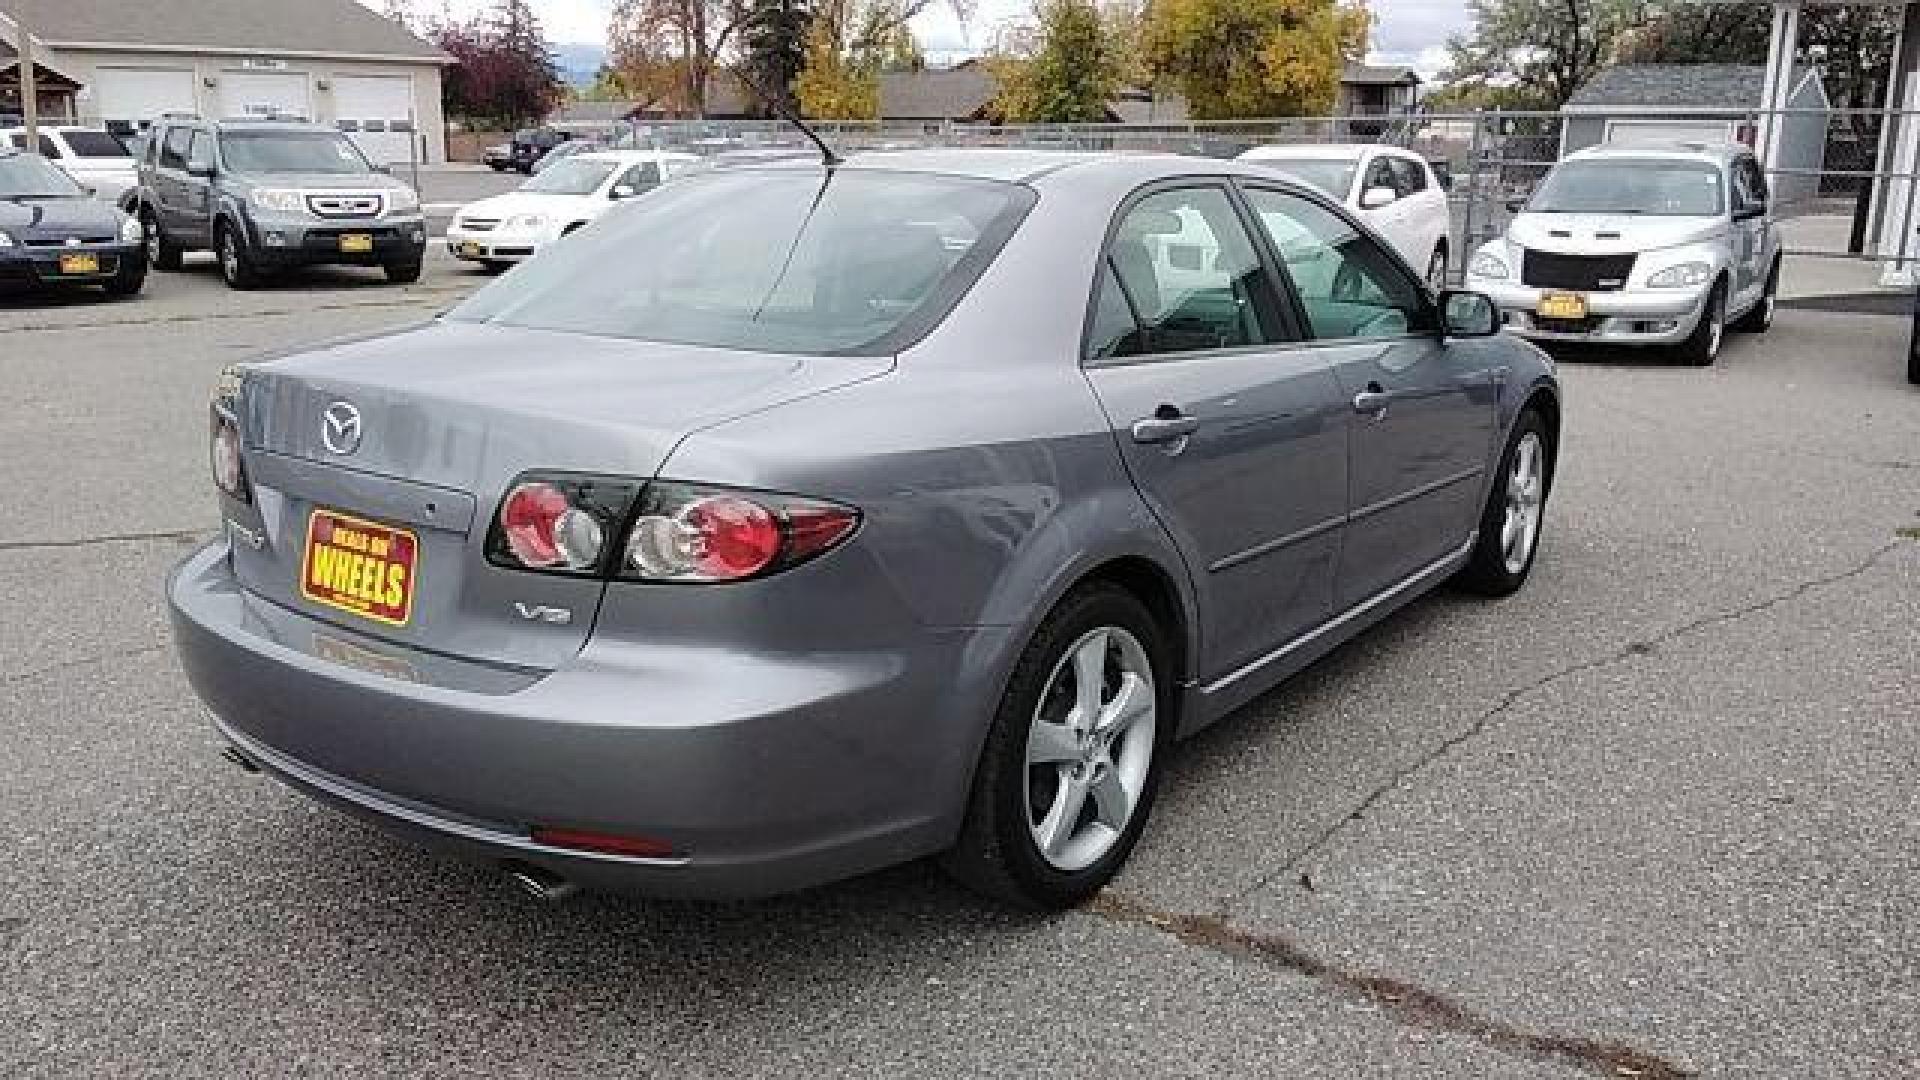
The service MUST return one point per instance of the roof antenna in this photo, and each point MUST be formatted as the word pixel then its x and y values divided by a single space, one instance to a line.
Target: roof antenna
pixel 778 107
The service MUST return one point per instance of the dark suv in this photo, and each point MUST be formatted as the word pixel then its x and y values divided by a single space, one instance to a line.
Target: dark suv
pixel 532 144
pixel 265 195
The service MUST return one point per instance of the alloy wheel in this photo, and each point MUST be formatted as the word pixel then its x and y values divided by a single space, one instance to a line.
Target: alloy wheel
pixel 1526 491
pixel 1089 748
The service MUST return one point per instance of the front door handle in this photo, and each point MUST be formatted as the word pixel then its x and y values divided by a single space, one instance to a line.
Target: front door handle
pixel 1167 424
pixel 1372 401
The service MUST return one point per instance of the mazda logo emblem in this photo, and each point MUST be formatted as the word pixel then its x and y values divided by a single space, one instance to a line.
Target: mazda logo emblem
pixel 340 428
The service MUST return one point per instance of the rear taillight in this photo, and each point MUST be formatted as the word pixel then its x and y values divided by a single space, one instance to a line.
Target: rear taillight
pixel 584 525
pixel 229 472
pixel 686 533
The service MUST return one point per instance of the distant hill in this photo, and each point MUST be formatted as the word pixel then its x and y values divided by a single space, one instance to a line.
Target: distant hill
pixel 579 61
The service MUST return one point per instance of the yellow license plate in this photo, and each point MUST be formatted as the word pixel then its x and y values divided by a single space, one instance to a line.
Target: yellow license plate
pixel 470 249
pixel 1563 306
pixel 360 566
pixel 356 243
pixel 80 264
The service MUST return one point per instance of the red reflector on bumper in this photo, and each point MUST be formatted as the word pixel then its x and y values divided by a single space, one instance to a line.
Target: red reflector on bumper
pixel 633 847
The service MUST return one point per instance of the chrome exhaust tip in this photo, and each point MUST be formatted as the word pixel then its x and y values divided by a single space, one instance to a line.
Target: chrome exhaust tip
pixel 540 883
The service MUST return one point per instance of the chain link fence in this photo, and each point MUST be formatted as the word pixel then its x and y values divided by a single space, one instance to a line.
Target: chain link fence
pixel 1843 180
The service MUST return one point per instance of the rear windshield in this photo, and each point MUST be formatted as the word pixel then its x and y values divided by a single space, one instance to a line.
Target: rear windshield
pixel 291 152
pixel 1331 175
pixel 777 260
pixel 94 144
pixel 1661 187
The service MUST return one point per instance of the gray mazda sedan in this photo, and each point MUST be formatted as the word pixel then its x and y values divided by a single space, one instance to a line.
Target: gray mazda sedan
pixel 795 521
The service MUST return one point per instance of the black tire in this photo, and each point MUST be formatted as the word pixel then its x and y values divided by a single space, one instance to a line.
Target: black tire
pixel 1487 572
pixel 236 262
pixel 161 252
pixel 403 273
pixel 1759 319
pixel 129 279
pixel 996 853
pixel 1702 347
pixel 495 266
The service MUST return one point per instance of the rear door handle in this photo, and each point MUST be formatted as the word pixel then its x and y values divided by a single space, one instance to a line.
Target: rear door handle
pixel 1167 424
pixel 1372 401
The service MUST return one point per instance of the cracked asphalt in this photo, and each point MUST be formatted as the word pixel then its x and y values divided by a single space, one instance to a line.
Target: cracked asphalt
pixel 1654 816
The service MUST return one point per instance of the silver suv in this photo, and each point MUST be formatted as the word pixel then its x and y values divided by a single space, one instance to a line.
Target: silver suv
pixel 266 195
pixel 1639 244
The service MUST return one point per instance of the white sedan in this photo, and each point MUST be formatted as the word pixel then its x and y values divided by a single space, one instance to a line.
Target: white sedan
pixel 92 156
pixel 1394 192
pixel 510 228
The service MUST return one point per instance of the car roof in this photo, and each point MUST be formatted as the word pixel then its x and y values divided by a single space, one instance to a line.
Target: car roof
pixel 1093 173
pixel 1719 153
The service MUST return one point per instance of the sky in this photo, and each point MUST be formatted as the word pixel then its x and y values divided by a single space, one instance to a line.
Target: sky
pixel 1405 31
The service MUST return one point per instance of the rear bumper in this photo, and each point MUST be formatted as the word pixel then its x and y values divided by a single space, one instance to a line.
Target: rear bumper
pixel 763 774
pixel 1625 317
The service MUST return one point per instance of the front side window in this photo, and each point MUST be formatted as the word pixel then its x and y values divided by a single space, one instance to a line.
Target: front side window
pixel 1189 272
pixel 786 260
pixel 1662 187
pixel 1409 177
pixel 173 153
pixel 292 152
pixel 1349 286
pixel 1380 175
pixel 200 155
pixel 642 176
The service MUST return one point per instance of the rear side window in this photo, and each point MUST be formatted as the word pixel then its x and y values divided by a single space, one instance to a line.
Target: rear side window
pixel 173 152
pixel 1189 273
pixel 93 144
pixel 1113 328
pixel 786 260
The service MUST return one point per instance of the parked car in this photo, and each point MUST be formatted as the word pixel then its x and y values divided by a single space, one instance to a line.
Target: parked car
pixel 499 158
pixel 788 524
pixel 269 195
pixel 507 229
pixel 566 150
pixel 1640 244
pixel 1393 191
pixel 92 156
pixel 531 144
pixel 53 233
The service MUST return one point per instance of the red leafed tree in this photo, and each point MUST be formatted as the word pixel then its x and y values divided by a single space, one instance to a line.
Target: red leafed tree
pixel 504 72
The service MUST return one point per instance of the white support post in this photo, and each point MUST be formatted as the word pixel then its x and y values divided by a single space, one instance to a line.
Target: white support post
pixel 1777 88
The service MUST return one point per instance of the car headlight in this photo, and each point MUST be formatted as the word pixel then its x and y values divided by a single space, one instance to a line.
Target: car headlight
pixel 5 240
pixel 131 232
pixel 1687 275
pixel 1487 265
pixel 526 221
pixel 402 201
pixel 278 200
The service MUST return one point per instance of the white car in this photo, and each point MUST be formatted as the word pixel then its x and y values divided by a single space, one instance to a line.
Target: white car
pixel 511 228
pixel 1663 244
pixel 1392 191
pixel 92 156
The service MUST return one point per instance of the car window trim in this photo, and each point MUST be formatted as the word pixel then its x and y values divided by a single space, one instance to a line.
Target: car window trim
pixel 1269 252
pixel 1290 327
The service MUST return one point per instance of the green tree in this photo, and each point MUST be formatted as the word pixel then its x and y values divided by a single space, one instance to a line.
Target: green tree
pixel 1062 72
pixel 774 45
pixel 1251 58
pixel 849 44
pixel 1547 48
pixel 503 70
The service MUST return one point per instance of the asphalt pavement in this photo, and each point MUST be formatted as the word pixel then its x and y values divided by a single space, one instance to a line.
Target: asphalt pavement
pixel 1654 816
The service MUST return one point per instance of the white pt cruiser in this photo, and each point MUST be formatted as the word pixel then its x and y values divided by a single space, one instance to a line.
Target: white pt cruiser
pixel 1639 244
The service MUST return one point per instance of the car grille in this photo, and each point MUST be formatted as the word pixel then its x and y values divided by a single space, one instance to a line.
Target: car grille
pixel 1587 273
pixel 479 224
pixel 335 206
pixel 1565 326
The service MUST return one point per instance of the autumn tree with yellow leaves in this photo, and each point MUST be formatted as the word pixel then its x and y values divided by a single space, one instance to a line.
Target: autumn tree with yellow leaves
pixel 1254 58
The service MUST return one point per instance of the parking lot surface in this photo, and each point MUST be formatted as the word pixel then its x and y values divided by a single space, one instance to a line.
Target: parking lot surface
pixel 1653 816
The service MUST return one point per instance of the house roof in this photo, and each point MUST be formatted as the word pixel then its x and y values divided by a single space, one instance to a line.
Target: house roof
pixel 10 68
pixel 1724 86
pixel 1379 75
pixel 935 94
pixel 271 27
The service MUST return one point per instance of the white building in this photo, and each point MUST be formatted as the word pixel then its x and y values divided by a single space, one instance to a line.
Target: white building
pixel 124 62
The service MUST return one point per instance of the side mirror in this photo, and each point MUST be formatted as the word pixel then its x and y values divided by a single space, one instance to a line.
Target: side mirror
pixel 1468 314
pixel 623 191
pixel 1376 197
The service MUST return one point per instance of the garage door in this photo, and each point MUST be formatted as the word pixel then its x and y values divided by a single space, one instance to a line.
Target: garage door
pixel 134 96
pixel 264 93
pixel 376 111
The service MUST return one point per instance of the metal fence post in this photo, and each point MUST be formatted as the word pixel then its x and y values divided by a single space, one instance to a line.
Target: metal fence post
pixel 1473 195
